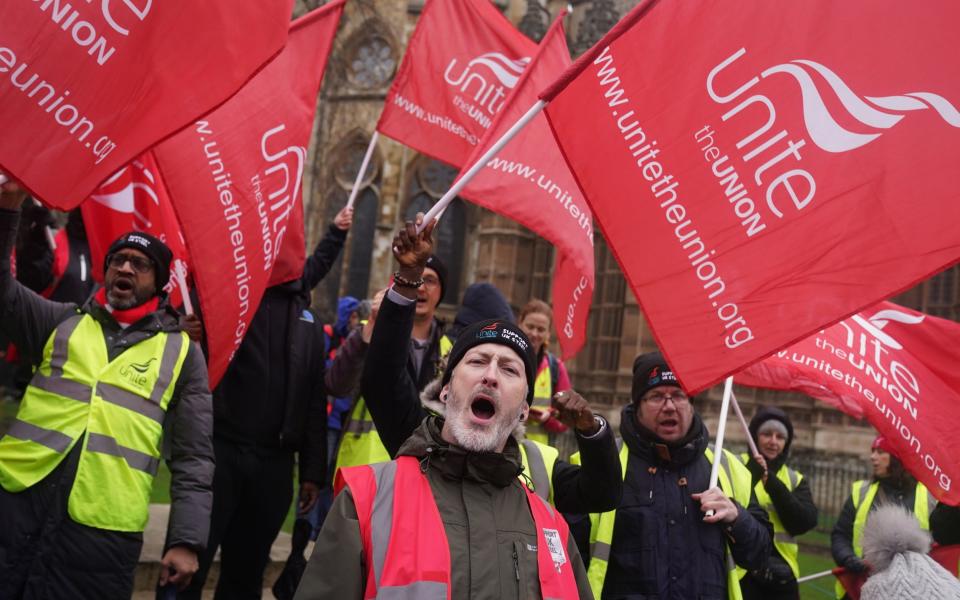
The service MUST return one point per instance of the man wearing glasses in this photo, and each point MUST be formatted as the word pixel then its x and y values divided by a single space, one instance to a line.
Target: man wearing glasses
pixel 671 537
pixel 117 385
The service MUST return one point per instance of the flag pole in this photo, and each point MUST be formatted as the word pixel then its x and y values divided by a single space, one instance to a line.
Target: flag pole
pixel 736 408
pixel 363 168
pixel 815 576
pixel 721 429
pixel 184 290
pixel 3 179
pixel 459 184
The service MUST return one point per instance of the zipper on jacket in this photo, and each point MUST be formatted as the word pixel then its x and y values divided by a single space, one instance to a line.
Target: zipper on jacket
pixel 516 564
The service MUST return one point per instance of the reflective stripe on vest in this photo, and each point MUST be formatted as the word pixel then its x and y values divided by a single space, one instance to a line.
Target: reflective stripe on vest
pixel 120 406
pixel 360 443
pixel 785 543
pixel 734 481
pixel 538 460
pixel 542 396
pixel 407 558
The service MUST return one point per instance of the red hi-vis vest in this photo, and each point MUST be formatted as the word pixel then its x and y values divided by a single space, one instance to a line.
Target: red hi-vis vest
pixel 404 541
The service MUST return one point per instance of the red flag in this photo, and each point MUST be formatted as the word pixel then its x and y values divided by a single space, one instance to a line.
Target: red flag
pixel 87 86
pixel 762 172
pixel 480 56
pixel 893 366
pixel 135 199
pixel 235 181
pixel 530 183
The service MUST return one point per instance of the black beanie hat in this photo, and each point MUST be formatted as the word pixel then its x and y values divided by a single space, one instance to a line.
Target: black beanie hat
pixel 440 269
pixel 494 331
pixel 156 251
pixel 650 370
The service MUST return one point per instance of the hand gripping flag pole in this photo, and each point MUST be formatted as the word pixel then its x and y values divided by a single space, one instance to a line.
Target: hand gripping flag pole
pixel 363 168
pixel 721 429
pixel 438 208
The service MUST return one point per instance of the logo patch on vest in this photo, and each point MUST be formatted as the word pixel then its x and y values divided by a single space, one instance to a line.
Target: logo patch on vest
pixel 556 547
pixel 135 372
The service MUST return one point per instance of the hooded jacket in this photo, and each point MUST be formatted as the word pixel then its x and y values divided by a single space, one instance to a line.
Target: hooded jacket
pixel 661 547
pixel 486 520
pixel 480 301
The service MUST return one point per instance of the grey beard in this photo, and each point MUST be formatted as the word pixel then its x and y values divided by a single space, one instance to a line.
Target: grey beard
pixel 129 303
pixel 489 439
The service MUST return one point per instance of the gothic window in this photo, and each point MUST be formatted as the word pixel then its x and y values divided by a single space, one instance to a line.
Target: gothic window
pixel 371 60
pixel 431 178
pixel 605 325
pixel 942 294
pixel 350 275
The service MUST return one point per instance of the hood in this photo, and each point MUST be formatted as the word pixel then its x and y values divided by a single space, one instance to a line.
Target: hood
pixel 453 462
pixel 481 301
pixel 345 307
pixel 653 449
pixel 764 414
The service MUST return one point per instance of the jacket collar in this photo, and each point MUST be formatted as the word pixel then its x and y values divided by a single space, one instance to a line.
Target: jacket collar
pixel 453 462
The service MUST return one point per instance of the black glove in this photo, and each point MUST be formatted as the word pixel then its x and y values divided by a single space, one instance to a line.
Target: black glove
pixel 855 565
pixel 755 469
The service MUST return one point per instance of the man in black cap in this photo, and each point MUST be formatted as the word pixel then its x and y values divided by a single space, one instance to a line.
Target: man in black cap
pixel 671 537
pixel 117 387
pixel 449 518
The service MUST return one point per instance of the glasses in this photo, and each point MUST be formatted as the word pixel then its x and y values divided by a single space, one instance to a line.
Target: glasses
pixel 139 263
pixel 430 281
pixel 659 398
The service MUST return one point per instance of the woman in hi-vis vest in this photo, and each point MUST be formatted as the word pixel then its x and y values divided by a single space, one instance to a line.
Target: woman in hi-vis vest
pixel 536 320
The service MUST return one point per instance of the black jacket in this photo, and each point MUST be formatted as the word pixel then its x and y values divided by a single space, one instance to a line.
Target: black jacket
pixel 272 394
pixel 395 407
pixel 661 546
pixel 900 490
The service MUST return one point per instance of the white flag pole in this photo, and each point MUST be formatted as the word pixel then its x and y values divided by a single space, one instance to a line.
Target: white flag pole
pixel 736 408
pixel 721 429
pixel 184 290
pixel 438 208
pixel 3 179
pixel 815 576
pixel 363 168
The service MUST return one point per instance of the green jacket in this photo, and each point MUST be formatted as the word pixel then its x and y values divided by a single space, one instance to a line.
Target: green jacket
pixel 486 519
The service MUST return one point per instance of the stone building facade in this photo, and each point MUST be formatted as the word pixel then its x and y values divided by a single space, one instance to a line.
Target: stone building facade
pixel 481 246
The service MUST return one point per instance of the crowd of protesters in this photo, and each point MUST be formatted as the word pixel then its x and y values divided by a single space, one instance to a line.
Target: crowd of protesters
pixel 425 453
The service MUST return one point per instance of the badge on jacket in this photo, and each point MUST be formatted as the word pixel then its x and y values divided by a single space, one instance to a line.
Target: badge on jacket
pixel 556 547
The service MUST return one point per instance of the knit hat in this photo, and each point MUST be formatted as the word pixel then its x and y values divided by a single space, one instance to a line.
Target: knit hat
pixel 440 269
pixel 494 331
pixel 896 548
pixel 766 414
pixel 884 445
pixel 649 371
pixel 156 251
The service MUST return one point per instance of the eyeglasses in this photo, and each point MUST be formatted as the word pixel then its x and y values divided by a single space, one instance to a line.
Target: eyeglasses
pixel 430 281
pixel 659 398
pixel 139 263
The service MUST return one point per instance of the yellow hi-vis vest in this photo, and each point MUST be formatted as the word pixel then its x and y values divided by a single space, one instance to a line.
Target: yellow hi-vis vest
pixel 863 493
pixel 360 443
pixel 542 398
pixel 120 404
pixel 538 460
pixel 735 483
pixel 785 543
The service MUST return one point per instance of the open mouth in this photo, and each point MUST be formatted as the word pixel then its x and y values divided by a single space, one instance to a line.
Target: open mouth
pixel 123 285
pixel 483 409
pixel 669 423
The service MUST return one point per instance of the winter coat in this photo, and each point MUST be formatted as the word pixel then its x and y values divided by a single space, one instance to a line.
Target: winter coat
pixel 272 394
pixel 661 546
pixel 394 403
pixel 486 520
pixel 186 444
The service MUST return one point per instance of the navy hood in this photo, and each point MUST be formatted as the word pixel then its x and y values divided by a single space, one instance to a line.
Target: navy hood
pixel 481 301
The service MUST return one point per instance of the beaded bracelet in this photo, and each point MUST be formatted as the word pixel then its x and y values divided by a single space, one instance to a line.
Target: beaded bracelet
pixel 404 282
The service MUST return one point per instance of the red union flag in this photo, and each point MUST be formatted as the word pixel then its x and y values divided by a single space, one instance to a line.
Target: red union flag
pixel 87 86
pixel 893 366
pixel 480 56
pixel 762 172
pixel 135 199
pixel 530 183
pixel 235 181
